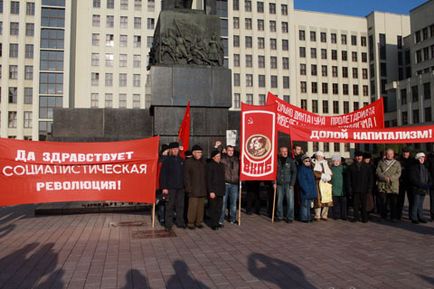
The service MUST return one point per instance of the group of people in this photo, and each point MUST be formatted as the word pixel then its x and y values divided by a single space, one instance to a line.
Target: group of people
pixel 306 188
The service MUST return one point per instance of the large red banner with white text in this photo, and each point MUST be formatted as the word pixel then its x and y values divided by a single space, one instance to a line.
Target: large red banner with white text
pixel 258 142
pixel 43 172
pixel 411 134
pixel 370 116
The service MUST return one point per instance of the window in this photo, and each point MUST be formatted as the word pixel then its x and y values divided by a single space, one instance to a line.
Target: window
pixel 108 100
pixel 236 23
pixel 249 98
pixel 248 23
pixel 124 4
pixel 354 56
pixel 355 105
pixel 285 45
pixel 136 101
pixel 110 21
pixel 122 79
pixel 94 100
pixel 335 87
pixel 337 147
pixel 12 119
pixel 344 55
pixel 236 60
pixel 326 147
pixel 323 53
pixel 248 42
pixel 325 88
pixel 237 100
pixel 123 60
pixel 13 71
pixel 303 86
pixel 346 147
pixel 365 73
pixel 427 90
pixel 96 3
pixel 404 116
pixel 237 79
pixel 28 72
pixel 284 27
pixel 415 116
pixel 109 59
pixel 314 87
pixel 261 80
pixel 302 51
pixel 53 17
pixel 137 61
pixel 150 23
pixel 236 5
pixel 428 114
pixel 109 79
pixel 30 29
pixel 286 98
pixel 136 80
pixel 286 82
pixel 303 104
pixel 110 4
pixel 301 35
pixel 273 81
pixel 249 60
pixel 273 62
pixel 313 53
pixel 355 89
pixel 124 22
pixel 52 60
pixel 15 7
pixel 355 73
pixel 261 42
pixel 14 28
pixel 334 71
pixel 30 8
pixel 344 39
pixel 249 80
pixel 415 93
pixel 248 6
pixel 325 106
pixel 13 50
pixel 47 105
pixel 334 54
pixel 285 63
pixel 313 70
pixel 302 69
pixel 51 38
pixel 109 40
pixel 12 96
pixel 284 9
pixel 354 40
pixel 345 89
pixel 261 61
pixel 122 100
pixel 313 36
pixel 260 7
pixel 323 37
pixel 123 40
pixel 138 41
pixel 324 70
pixel 261 99
pixel 345 72
pixel 272 26
pixel 272 7
pixel 28 95
pixel 315 106
pixel 138 5
pixel 346 107
pixel 95 39
pixel 28 119
pixel 95 78
pixel 365 90
pixel 95 59
pixel 364 57
pixel 333 38
pixel 96 20
pixel 363 41
pixel 382 46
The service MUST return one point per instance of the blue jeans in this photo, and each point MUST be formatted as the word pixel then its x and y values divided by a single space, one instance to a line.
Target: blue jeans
pixel 231 192
pixel 417 210
pixel 285 191
pixel 305 210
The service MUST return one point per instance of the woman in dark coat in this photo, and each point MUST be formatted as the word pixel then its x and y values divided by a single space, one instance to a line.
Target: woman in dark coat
pixel 216 186
pixel 420 182
pixel 308 190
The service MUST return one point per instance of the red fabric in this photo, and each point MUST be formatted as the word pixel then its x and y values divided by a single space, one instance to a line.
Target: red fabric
pixel 258 141
pixel 184 131
pixel 42 172
pixel 413 134
pixel 370 116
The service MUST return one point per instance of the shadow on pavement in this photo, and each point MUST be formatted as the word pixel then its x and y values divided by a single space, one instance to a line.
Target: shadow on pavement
pixel 135 280
pixel 31 267
pixel 183 278
pixel 283 274
pixel 424 229
pixel 6 230
pixel 15 213
pixel 428 279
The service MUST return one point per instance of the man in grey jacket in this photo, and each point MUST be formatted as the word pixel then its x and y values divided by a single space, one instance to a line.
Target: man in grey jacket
pixel 286 177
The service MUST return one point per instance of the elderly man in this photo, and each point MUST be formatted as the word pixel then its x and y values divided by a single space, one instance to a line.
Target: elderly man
pixel 388 173
pixel 216 187
pixel 420 180
pixel 404 186
pixel 286 177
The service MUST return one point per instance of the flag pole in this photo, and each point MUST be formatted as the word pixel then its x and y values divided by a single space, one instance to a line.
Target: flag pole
pixel 274 205
pixel 239 203
pixel 153 215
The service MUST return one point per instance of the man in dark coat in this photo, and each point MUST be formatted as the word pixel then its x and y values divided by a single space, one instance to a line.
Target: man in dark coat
pixel 359 182
pixel 430 161
pixel 195 186
pixel 172 186
pixel 404 185
pixel 215 172
pixel 420 180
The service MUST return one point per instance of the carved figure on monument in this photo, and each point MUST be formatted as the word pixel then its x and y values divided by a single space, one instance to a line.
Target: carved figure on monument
pixel 168 46
pixel 216 50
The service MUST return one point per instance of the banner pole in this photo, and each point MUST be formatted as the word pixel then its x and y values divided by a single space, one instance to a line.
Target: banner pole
pixel 153 215
pixel 274 205
pixel 239 204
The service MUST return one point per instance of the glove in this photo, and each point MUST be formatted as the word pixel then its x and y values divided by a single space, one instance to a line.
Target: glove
pixel 325 178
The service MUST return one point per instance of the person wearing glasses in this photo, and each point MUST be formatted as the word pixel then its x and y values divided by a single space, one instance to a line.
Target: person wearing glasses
pixel 308 190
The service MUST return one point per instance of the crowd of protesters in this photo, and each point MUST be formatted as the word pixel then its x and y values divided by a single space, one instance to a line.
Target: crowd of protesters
pixel 307 188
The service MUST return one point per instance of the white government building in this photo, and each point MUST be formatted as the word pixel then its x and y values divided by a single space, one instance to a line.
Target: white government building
pixel 93 54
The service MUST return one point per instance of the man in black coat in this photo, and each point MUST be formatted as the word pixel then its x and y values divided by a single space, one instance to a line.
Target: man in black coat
pixel 404 185
pixel 172 186
pixel 420 181
pixel 215 172
pixel 359 182
pixel 430 161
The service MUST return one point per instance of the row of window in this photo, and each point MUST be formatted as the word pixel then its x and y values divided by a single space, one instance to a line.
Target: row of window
pixel 333 38
pixel 123 79
pixel 334 70
pixel 334 54
pixel 326 147
pixel 260 43
pixel 123 60
pixel 123 40
pixel 123 22
pixel 415 93
pixel 424 33
pixel 425 54
pixel 108 100
pixel 12 119
pixel 261 61
pixel 260 25
pixel 15 8
pixel 13 50
pixel 335 88
pixel 249 99
pixel 13 95
pixel 416 116
pixel 261 81
pixel 14 28
pixel 260 7
pixel 336 106
pixel 110 4
pixel 13 72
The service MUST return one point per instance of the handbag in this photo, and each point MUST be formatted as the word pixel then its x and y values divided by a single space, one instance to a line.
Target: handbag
pixel 326 192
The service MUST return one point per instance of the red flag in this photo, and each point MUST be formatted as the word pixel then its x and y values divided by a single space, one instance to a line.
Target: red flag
pixel 184 131
pixel 258 142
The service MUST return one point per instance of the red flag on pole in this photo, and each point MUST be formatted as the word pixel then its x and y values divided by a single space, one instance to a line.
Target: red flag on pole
pixel 184 131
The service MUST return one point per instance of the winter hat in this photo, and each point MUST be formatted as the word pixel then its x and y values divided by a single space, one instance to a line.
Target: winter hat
pixel 405 150
pixel 188 154
pixel 336 158
pixel 319 154
pixel 173 145
pixel 164 147
pixel 367 156
pixel 214 153
pixel 196 148
pixel 420 155
pixel 305 157
pixel 358 154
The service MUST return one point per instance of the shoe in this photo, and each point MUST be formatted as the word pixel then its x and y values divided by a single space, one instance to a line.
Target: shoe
pixel 364 221
pixel 415 222
pixel 423 221
pixel 191 227
pixel 288 221
pixel 316 220
pixel 305 221
pixel 200 226
pixel 220 225
pixel 181 226
pixel 354 220
pixel 278 220
pixel 215 228
pixel 234 222
pixel 324 219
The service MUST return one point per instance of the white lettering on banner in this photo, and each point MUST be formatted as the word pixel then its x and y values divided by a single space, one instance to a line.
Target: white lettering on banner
pixel 24 156
pixel 393 135
pixel 351 118
pixel 79 185
pixel 106 169
pixel 81 157
pixel 315 134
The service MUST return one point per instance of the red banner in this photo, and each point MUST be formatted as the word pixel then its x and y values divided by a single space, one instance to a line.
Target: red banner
pixel 43 172
pixel 370 116
pixel 412 134
pixel 258 142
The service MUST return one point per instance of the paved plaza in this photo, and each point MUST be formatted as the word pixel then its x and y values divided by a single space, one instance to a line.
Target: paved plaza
pixel 116 250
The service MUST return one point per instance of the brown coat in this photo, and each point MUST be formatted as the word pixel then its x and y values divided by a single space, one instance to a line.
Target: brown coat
pixel 195 178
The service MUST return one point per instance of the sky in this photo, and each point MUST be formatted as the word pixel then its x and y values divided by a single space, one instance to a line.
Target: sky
pixel 358 7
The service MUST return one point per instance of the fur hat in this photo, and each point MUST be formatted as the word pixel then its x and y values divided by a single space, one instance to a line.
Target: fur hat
pixel 173 145
pixel 196 148
pixel 420 155
pixel 214 153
